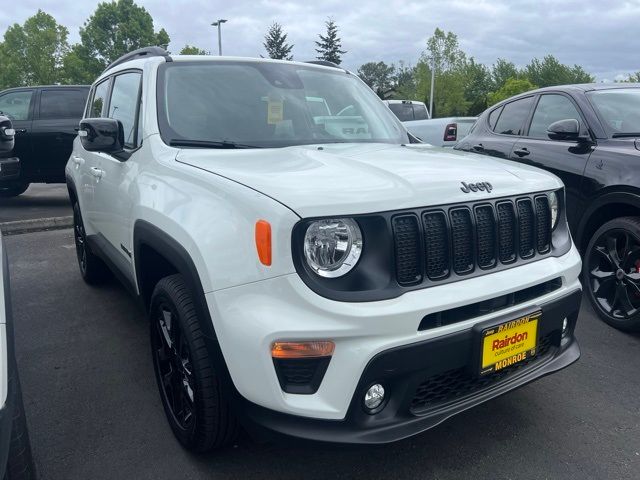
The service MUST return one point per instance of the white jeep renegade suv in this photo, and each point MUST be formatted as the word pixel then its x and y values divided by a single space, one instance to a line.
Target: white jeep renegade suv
pixel 307 267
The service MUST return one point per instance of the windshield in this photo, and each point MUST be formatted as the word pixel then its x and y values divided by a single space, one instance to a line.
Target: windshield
pixel 262 104
pixel 619 109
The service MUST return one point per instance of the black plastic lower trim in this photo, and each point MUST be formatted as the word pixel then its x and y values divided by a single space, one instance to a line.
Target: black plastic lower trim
pixel 401 370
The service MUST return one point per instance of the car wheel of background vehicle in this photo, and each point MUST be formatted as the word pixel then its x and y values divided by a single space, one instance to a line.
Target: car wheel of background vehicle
pixel 20 463
pixel 611 273
pixel 13 189
pixel 92 268
pixel 189 385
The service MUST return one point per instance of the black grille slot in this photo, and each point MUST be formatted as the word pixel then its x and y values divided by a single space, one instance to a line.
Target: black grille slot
pixel 443 388
pixel 407 247
pixel 301 375
pixel 506 232
pixel 526 228
pixel 486 235
pixel 436 237
pixel 462 241
pixel 543 223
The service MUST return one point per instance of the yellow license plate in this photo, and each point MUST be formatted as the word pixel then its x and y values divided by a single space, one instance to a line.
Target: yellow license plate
pixel 509 343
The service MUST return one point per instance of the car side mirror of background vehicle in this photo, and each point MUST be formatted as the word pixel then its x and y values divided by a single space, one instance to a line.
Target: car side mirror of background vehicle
pixel 7 135
pixel 568 129
pixel 104 135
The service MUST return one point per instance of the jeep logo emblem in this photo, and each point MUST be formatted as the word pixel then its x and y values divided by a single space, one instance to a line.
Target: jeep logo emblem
pixel 474 187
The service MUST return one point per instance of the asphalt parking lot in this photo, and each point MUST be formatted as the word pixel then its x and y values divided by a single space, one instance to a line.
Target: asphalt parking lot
pixel 94 411
pixel 41 200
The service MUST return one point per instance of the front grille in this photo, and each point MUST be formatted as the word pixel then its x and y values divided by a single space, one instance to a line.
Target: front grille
pixel 453 385
pixel 457 240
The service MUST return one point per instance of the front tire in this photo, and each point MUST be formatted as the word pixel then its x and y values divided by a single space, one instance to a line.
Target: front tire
pixel 13 189
pixel 92 268
pixel 190 386
pixel 611 273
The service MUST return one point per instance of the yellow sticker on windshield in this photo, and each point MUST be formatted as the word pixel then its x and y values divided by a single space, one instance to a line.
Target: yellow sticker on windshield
pixel 275 111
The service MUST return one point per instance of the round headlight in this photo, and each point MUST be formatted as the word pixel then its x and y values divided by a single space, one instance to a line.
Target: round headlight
pixel 554 206
pixel 332 247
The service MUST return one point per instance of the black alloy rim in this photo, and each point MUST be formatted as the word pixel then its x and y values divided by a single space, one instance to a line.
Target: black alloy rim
pixel 80 238
pixel 173 366
pixel 614 273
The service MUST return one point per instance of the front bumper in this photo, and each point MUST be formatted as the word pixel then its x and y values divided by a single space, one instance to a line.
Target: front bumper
pixel 408 372
pixel 9 169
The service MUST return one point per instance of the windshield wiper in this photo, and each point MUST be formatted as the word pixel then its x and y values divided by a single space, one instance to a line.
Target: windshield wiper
pixel 625 134
pixel 208 144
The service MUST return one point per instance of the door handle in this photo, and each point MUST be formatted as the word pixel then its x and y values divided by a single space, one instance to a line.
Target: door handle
pixel 78 160
pixel 522 152
pixel 478 148
pixel 96 172
pixel 21 130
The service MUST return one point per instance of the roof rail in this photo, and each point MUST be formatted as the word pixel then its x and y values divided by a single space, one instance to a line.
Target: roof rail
pixel 141 52
pixel 324 63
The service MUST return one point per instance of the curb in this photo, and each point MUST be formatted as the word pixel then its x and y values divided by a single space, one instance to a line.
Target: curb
pixel 36 225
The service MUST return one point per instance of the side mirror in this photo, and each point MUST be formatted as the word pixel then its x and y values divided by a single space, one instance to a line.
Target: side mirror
pixel 568 129
pixel 7 135
pixel 104 135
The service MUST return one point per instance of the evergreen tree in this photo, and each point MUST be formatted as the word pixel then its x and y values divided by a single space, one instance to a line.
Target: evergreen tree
pixel 329 46
pixel 275 43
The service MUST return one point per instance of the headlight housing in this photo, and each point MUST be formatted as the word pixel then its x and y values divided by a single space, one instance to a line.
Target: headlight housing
pixel 554 206
pixel 332 247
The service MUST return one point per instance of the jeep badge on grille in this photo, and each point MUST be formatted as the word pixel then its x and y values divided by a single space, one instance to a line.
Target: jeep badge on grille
pixel 474 187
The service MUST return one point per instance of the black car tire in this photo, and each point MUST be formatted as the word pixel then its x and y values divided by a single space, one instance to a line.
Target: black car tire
pixel 20 464
pixel 611 273
pixel 189 384
pixel 92 268
pixel 13 189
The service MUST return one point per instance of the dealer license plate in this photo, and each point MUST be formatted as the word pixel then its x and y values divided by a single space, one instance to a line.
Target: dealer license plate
pixel 509 343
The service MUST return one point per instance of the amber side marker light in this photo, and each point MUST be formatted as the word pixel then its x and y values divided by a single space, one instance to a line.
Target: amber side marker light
pixel 263 241
pixel 302 349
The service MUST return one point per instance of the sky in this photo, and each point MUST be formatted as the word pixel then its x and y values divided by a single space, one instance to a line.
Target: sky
pixel 599 35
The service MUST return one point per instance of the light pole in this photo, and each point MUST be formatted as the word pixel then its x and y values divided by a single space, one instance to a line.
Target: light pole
pixel 218 24
pixel 433 77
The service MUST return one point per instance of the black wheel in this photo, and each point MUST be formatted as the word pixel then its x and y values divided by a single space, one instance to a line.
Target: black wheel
pixel 190 387
pixel 611 273
pixel 20 462
pixel 92 268
pixel 9 190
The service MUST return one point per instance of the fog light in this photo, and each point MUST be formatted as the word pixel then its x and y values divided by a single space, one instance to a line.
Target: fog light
pixel 374 397
pixel 565 327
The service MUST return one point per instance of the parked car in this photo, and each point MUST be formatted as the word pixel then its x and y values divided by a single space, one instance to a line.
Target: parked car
pixel 441 132
pixel 45 120
pixel 15 450
pixel 588 135
pixel 407 110
pixel 315 275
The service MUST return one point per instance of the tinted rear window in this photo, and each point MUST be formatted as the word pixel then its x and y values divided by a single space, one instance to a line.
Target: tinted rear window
pixel 420 112
pixel 403 111
pixel 513 116
pixel 62 103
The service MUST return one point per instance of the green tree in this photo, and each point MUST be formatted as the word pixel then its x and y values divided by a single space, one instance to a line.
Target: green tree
pixel 631 78
pixel 549 72
pixel 501 71
pixel 191 50
pixel 275 43
pixel 443 51
pixel 115 28
pixel 405 87
pixel 32 53
pixel 330 45
pixel 379 76
pixel 477 86
pixel 512 86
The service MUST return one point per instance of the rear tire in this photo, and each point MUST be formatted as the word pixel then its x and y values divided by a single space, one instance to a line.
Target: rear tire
pixel 92 268
pixel 20 462
pixel 611 273
pixel 13 189
pixel 189 383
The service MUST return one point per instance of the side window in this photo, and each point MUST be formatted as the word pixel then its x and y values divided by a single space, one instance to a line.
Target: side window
pixel 124 103
pixel 99 99
pixel 493 118
pixel 62 103
pixel 15 105
pixel 403 111
pixel 419 112
pixel 513 116
pixel 551 108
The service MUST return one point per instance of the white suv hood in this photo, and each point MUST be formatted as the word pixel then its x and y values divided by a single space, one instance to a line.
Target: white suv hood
pixel 347 179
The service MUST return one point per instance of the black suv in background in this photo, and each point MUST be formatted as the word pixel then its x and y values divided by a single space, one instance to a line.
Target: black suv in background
pixel 45 120
pixel 588 135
